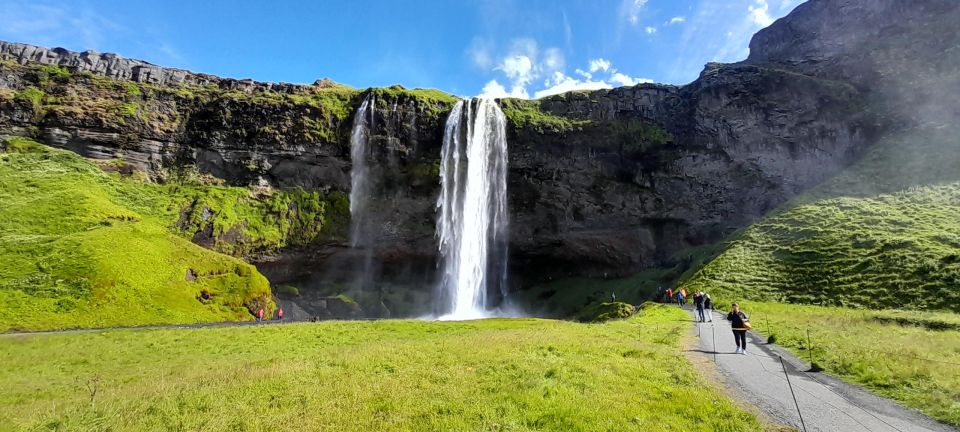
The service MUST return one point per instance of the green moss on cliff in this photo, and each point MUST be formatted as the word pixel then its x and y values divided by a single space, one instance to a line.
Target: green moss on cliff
pixel 526 114
pixel 83 248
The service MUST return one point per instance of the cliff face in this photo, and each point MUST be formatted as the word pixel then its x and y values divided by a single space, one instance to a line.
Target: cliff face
pixel 601 183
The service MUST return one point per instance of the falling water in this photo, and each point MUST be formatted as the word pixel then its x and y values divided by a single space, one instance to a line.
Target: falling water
pixel 359 172
pixel 472 218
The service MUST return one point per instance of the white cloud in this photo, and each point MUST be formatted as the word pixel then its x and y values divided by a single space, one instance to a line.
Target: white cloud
pixel 519 68
pixel 494 89
pixel 553 59
pixel 599 64
pixel 650 30
pixel 630 10
pixel 561 83
pixel 479 53
pixel 677 20
pixel 625 80
pixel 760 13
pixel 525 66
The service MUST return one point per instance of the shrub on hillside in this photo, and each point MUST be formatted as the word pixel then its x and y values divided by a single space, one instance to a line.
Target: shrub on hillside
pixel 600 312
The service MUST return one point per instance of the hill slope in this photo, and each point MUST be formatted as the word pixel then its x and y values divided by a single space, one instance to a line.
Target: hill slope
pixel 883 234
pixel 80 247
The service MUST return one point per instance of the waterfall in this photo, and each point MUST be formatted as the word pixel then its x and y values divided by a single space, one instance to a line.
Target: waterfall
pixel 359 172
pixel 472 218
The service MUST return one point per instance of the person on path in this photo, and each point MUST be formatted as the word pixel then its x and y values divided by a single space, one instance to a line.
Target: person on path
pixel 669 295
pixel 280 314
pixel 708 305
pixel 680 296
pixel 740 324
pixel 698 302
pixel 260 315
pixel 683 291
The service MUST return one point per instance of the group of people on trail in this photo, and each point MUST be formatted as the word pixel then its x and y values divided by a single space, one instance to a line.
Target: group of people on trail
pixel 679 296
pixel 703 302
pixel 260 313
pixel 739 321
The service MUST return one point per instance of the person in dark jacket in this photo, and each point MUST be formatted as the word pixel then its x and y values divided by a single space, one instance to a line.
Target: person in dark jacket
pixel 740 324
pixel 698 302
pixel 708 305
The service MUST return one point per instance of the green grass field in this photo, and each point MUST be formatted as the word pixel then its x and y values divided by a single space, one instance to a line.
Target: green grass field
pixel 497 374
pixel 81 247
pixel 910 356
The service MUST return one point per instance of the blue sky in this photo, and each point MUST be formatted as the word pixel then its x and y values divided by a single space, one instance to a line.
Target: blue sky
pixel 525 48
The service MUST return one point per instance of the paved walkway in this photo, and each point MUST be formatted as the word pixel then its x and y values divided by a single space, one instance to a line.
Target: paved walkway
pixel 826 404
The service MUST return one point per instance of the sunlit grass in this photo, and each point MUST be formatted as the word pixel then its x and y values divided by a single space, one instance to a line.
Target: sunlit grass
pixel 500 374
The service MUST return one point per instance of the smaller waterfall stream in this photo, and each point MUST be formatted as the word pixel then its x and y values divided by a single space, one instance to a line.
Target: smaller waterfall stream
pixel 360 172
pixel 472 218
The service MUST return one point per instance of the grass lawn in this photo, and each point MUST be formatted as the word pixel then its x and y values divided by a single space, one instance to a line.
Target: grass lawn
pixel 909 356
pixel 498 374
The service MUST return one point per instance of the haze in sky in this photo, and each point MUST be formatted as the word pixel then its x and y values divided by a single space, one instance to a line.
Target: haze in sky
pixel 522 48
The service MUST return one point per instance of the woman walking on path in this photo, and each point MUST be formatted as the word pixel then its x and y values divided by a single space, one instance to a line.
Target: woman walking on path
pixel 740 324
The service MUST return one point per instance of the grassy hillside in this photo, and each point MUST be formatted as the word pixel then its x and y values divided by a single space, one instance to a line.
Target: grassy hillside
pixel 883 234
pixel 80 247
pixel 501 374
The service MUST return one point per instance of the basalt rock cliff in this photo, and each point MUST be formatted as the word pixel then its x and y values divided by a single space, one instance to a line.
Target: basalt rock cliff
pixel 602 183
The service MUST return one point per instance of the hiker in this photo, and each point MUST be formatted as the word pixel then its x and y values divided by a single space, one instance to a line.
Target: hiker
pixel 683 297
pixel 680 295
pixel 669 295
pixel 698 302
pixel 708 305
pixel 740 324
pixel 280 314
pixel 260 315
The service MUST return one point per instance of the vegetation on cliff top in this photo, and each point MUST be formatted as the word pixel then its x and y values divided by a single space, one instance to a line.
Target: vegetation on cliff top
pixel 526 114
pixel 307 114
pixel 85 248
pixel 498 374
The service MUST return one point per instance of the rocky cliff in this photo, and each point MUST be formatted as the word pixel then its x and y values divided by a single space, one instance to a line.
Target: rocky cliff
pixel 601 183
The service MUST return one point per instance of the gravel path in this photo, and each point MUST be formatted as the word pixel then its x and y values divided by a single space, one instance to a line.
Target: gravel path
pixel 826 404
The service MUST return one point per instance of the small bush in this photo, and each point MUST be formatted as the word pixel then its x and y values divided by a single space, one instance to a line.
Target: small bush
pixel 287 290
pixel 600 312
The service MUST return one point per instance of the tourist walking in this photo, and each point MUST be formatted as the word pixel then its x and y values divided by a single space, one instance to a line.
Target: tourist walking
pixel 680 295
pixel 280 314
pixel 669 295
pixel 708 305
pixel 698 302
pixel 740 323
pixel 260 315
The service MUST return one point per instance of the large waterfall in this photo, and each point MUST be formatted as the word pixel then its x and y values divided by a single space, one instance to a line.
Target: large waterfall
pixel 359 172
pixel 472 219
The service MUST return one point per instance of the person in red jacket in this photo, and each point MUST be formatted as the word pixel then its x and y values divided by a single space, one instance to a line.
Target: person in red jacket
pixel 260 315
pixel 670 295
pixel 280 314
